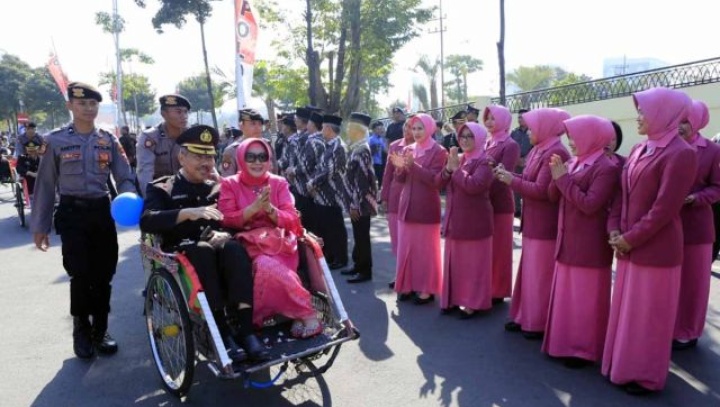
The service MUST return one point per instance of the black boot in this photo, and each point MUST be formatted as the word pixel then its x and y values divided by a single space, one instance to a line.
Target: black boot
pixel 82 343
pixel 103 342
pixel 240 322
pixel 235 352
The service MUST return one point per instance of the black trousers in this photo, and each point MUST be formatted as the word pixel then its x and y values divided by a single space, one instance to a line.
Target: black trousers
pixel 516 195
pixel 379 171
pixel 362 250
pixel 224 272
pixel 716 219
pixel 90 253
pixel 309 213
pixel 331 228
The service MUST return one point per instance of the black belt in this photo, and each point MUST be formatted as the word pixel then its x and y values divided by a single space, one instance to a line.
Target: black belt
pixel 87 203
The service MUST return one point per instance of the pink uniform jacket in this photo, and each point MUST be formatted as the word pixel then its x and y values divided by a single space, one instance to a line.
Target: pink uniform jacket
pixel 391 189
pixel 502 150
pixel 586 195
pixel 420 199
pixel 647 213
pixel 698 227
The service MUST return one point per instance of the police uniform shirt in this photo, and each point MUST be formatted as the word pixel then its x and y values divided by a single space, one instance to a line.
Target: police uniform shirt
pixel 79 166
pixel 165 197
pixel 24 139
pixel 156 155
pixel 361 182
pixel 329 179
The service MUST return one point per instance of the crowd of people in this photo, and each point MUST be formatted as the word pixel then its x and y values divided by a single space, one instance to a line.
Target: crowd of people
pixel 234 209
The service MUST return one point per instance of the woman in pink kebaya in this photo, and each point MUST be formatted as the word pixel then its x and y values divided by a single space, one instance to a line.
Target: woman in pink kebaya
pixel 467 225
pixel 646 233
pixel 580 298
pixel 531 296
pixel 501 149
pixel 419 265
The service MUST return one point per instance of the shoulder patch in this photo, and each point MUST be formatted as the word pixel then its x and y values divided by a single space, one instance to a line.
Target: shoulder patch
pixel 149 143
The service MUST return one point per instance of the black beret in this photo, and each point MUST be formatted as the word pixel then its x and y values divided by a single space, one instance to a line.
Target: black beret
pixel 173 100
pixel 31 125
pixel 199 139
pixel 332 119
pixel 288 121
pixel 79 90
pixel 251 115
pixel 316 118
pixel 398 109
pixel 471 109
pixel 361 118
pixel 459 115
pixel 312 108
pixel 302 113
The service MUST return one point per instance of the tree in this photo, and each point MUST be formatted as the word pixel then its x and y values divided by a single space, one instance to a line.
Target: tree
pixel 194 88
pixel 460 66
pixel 528 78
pixel 13 73
pixel 431 71
pixel 43 100
pixel 420 92
pixel 174 12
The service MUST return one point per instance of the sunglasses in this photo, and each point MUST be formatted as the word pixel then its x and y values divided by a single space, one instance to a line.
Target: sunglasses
pixel 255 157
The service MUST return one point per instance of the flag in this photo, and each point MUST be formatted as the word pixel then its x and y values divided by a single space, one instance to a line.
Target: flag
pixel 246 33
pixel 57 73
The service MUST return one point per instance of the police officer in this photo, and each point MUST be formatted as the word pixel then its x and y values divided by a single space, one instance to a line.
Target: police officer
pixel 28 164
pixel 76 161
pixel 29 135
pixel 472 114
pixel 181 207
pixel 251 123
pixel 287 129
pixel 156 150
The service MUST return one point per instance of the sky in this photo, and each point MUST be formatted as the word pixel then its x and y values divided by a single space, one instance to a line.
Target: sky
pixel 573 34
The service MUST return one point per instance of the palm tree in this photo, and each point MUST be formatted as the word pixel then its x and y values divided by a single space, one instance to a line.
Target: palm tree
pixel 431 71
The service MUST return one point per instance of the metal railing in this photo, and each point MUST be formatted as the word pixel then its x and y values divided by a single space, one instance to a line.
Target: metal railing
pixel 440 113
pixel 676 76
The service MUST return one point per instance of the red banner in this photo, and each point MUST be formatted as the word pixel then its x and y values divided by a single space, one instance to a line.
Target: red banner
pixel 246 31
pixel 57 73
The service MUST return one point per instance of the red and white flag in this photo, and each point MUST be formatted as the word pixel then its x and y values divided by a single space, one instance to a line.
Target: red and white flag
pixel 246 35
pixel 57 73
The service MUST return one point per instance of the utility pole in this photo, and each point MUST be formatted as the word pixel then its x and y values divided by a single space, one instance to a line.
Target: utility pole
pixel 442 29
pixel 118 68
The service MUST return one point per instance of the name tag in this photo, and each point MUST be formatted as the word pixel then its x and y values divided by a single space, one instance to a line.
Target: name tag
pixel 176 197
pixel 71 156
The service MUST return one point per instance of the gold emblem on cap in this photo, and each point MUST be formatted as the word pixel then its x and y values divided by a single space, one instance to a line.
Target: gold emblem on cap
pixel 205 136
pixel 246 116
pixel 78 92
pixel 170 100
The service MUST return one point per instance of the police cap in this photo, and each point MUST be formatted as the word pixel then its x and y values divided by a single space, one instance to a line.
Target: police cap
pixel 332 119
pixel 79 90
pixel 459 116
pixel 398 109
pixel 316 118
pixel 360 118
pixel 31 146
pixel 302 113
pixel 174 100
pixel 199 139
pixel 471 109
pixel 288 121
pixel 249 114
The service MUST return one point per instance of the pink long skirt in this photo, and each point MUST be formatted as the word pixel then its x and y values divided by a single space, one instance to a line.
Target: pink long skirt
pixel 467 278
pixel 392 219
pixel 642 320
pixel 277 289
pixel 419 265
pixel 694 291
pixel 502 255
pixel 579 311
pixel 531 296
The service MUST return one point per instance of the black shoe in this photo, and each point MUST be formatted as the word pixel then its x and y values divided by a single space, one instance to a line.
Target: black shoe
pixel 256 351
pixel 391 285
pixel 423 301
pixel 533 336
pixel 677 345
pixel 337 265
pixel 496 301
pixel 636 390
pixel 349 272
pixel 359 278
pixel 105 344
pixel 235 352
pixel 448 311
pixel 82 342
pixel 512 326
pixel 402 297
pixel 576 363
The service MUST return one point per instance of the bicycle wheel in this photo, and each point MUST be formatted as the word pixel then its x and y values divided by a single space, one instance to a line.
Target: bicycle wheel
pixel 20 204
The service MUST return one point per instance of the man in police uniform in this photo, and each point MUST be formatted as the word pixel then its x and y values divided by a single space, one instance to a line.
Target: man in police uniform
pixel 28 164
pixel 156 151
pixel 29 135
pixel 472 114
pixel 76 161
pixel 181 208
pixel 251 123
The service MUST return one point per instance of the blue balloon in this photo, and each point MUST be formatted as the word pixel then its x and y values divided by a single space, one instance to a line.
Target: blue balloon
pixel 126 209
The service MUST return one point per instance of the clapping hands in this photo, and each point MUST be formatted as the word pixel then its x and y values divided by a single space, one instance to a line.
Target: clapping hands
pixel 557 167
pixel 453 161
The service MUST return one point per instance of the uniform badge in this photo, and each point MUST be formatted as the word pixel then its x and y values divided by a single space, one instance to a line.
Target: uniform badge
pixel 170 101
pixel 78 93
pixel 205 137
pixel 149 143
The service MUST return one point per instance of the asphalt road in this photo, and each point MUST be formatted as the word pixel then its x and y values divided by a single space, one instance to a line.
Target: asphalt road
pixel 408 355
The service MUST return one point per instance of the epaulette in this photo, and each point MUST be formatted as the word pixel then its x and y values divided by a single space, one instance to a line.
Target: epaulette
pixel 58 130
pixel 105 133
pixel 165 183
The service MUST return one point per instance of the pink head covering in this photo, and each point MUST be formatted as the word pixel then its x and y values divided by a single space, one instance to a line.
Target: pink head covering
pixel 245 176
pixel 546 124
pixel 480 137
pixel 699 116
pixel 663 109
pixel 429 124
pixel 591 134
pixel 503 121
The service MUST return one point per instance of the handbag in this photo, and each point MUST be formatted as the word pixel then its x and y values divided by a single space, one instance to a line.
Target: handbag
pixel 271 241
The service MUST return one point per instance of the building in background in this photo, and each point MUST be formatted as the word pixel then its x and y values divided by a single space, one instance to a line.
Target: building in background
pixel 624 65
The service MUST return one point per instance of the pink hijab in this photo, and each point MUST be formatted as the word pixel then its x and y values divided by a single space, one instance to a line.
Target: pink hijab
pixel 546 125
pixel 699 117
pixel 245 177
pixel 663 109
pixel 591 134
pixel 429 124
pixel 480 137
pixel 503 121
